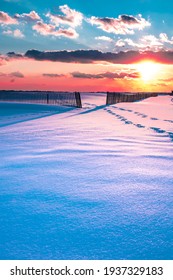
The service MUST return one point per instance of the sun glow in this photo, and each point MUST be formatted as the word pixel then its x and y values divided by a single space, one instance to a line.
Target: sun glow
pixel 148 70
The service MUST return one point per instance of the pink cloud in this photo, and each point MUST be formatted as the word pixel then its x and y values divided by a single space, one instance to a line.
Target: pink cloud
pixel 124 24
pixel 69 33
pixel 70 17
pixel 49 29
pixel 32 16
pixel 5 19
pixel 18 34
pixel 44 28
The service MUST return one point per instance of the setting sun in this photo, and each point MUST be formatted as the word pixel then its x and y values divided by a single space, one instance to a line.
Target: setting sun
pixel 148 70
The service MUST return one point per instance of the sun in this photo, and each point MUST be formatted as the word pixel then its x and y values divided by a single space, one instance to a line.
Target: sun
pixel 148 70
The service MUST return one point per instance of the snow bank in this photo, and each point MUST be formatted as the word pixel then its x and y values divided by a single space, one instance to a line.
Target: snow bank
pixel 91 183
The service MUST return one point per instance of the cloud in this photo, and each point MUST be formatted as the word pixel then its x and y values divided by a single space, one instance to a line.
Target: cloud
pixel 78 56
pixel 5 19
pixel 94 56
pixel 129 42
pixel 69 33
pixel 124 24
pixel 147 42
pixel 14 55
pixel 11 56
pixel 7 32
pixel 70 17
pixel 120 43
pixel 52 75
pixel 151 40
pixel 4 59
pixel 50 30
pixel 107 75
pixel 15 33
pixel 164 38
pixel 16 75
pixel 44 28
pixel 32 16
pixel 104 38
pixel 12 75
pixel 169 80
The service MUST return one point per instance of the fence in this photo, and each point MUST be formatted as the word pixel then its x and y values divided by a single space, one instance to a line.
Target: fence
pixel 117 97
pixel 38 97
pixel 69 98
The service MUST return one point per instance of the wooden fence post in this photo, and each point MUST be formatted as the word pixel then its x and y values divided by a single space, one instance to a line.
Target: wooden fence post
pixel 47 97
pixel 78 99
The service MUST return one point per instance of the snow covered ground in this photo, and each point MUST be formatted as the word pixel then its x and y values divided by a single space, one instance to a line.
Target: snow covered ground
pixel 91 183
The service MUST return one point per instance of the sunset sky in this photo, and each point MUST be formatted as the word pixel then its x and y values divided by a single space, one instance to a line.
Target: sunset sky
pixel 76 45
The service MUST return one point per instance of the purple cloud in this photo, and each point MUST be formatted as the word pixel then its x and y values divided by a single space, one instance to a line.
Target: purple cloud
pixel 16 74
pixel 107 75
pixel 93 56
pixel 52 75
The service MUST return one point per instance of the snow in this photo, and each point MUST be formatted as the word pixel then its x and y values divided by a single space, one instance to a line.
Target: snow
pixel 90 183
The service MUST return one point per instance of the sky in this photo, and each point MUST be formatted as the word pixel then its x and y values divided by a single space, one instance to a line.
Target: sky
pixel 75 45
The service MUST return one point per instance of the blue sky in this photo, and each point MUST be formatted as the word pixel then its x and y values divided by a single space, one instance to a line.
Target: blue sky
pixel 158 13
pixel 97 7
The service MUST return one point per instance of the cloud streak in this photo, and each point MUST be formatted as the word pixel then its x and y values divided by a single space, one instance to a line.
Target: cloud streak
pixel 16 74
pixel 107 75
pixel 52 75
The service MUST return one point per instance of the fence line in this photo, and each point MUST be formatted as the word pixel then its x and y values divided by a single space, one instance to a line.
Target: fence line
pixel 38 97
pixel 69 98
pixel 117 97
